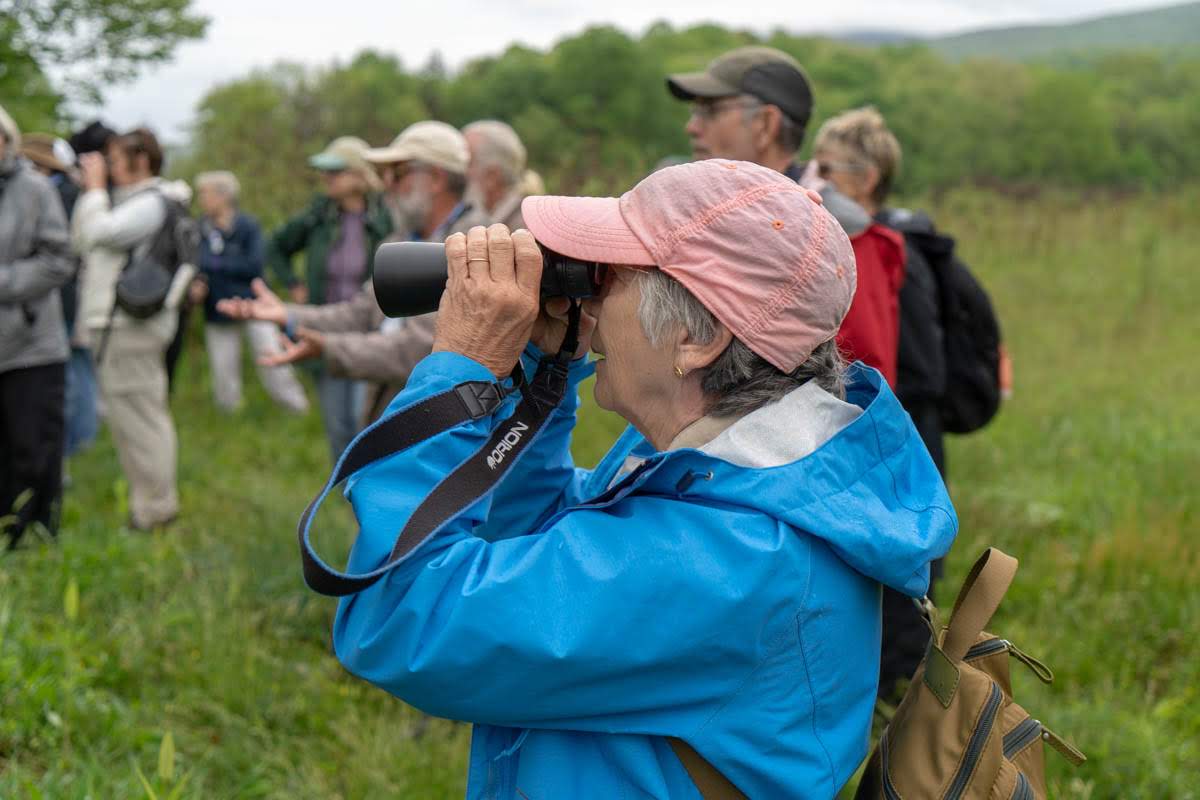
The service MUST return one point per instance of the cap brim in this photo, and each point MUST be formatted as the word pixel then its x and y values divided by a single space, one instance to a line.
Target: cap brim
pixel 691 85
pixel 327 161
pixel 47 161
pixel 387 155
pixel 584 228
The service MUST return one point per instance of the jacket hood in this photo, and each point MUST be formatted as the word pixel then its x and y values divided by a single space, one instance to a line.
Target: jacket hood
pixel 176 190
pixel 868 487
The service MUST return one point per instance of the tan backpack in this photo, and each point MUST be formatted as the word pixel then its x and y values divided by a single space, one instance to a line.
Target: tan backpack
pixel 957 734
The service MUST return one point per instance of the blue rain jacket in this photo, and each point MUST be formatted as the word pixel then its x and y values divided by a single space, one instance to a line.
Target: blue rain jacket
pixel 577 624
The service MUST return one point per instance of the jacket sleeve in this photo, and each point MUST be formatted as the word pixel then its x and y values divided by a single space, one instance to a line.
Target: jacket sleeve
pixel 49 265
pixel 533 630
pixel 288 239
pixel 356 315
pixel 380 356
pixel 98 224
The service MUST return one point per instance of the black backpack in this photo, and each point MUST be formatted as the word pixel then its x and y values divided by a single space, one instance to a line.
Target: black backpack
pixel 970 330
pixel 146 279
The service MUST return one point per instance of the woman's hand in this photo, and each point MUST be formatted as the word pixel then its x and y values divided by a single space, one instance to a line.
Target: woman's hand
pixel 94 171
pixel 488 310
pixel 551 326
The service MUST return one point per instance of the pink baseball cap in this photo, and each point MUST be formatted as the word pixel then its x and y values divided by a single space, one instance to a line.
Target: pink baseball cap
pixel 760 252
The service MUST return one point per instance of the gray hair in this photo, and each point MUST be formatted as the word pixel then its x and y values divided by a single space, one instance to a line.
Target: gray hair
pixel 221 181
pixel 739 380
pixel 791 133
pixel 498 146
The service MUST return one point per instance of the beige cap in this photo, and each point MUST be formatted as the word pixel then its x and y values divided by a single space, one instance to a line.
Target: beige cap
pixel 347 152
pixel 430 142
pixel 39 148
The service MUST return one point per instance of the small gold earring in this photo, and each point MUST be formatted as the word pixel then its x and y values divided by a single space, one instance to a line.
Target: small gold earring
pixel 678 371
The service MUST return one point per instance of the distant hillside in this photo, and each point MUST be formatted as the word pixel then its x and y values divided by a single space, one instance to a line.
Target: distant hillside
pixel 1170 27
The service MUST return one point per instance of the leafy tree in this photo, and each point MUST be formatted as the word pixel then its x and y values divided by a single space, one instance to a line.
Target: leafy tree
pixel 93 43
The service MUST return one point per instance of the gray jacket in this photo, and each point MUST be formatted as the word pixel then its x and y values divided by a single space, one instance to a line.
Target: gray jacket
pixel 35 260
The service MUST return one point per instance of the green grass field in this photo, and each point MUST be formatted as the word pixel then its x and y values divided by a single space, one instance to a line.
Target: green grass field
pixel 195 664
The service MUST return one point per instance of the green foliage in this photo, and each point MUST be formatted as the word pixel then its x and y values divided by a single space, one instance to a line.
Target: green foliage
pixel 114 643
pixel 595 114
pixel 94 43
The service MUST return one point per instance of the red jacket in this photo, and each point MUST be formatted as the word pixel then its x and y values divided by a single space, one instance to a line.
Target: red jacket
pixel 871 331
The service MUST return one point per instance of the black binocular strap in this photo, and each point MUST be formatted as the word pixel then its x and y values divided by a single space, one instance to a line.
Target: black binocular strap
pixel 474 478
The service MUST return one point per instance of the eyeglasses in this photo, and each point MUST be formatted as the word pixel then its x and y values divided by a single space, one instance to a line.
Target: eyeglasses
pixel 397 171
pixel 708 110
pixel 827 168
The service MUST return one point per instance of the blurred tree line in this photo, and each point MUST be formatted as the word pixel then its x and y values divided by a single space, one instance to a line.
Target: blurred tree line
pixel 595 114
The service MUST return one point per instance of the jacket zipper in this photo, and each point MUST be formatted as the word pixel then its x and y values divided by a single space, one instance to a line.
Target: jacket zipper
pixel 1018 738
pixel 975 746
pixel 1022 791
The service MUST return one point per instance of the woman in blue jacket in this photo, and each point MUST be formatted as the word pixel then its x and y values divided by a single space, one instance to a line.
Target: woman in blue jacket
pixel 716 579
pixel 231 256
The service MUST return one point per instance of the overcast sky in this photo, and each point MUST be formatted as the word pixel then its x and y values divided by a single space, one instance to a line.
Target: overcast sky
pixel 245 34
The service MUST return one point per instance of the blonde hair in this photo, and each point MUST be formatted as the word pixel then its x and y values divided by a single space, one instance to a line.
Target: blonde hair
pixel 532 184
pixel 864 132
pixel 222 181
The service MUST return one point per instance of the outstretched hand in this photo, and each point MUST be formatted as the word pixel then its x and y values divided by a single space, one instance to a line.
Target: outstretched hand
pixel 308 344
pixel 265 305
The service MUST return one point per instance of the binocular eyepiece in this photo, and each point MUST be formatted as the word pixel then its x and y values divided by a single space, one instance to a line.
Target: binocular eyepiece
pixel 409 277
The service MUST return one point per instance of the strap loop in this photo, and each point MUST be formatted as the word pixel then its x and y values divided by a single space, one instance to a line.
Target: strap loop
pixel 978 600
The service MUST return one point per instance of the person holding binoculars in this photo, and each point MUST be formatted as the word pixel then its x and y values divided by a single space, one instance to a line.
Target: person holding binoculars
pixel 710 591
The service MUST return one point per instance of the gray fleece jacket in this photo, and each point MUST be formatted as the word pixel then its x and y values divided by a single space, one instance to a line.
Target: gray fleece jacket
pixel 35 260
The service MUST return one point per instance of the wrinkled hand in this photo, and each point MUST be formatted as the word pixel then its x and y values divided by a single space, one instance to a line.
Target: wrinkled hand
pixel 197 291
pixel 490 304
pixel 551 327
pixel 265 305
pixel 299 294
pixel 95 171
pixel 308 344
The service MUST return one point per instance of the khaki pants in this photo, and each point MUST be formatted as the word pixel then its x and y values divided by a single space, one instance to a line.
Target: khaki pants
pixel 133 384
pixel 224 343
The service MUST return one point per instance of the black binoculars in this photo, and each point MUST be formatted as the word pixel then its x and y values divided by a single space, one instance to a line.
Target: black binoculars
pixel 410 277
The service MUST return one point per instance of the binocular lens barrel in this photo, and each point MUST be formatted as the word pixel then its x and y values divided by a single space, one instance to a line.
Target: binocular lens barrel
pixel 410 277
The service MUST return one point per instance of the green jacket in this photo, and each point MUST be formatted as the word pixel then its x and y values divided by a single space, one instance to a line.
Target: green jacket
pixel 314 230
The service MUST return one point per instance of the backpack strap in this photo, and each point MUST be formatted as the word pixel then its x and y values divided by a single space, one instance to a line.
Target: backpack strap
pixel 711 783
pixel 977 601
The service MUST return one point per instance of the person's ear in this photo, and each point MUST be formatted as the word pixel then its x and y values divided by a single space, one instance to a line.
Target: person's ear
pixel 767 122
pixel 691 355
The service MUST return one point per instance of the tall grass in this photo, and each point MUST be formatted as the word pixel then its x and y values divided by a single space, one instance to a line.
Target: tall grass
pixel 195 664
